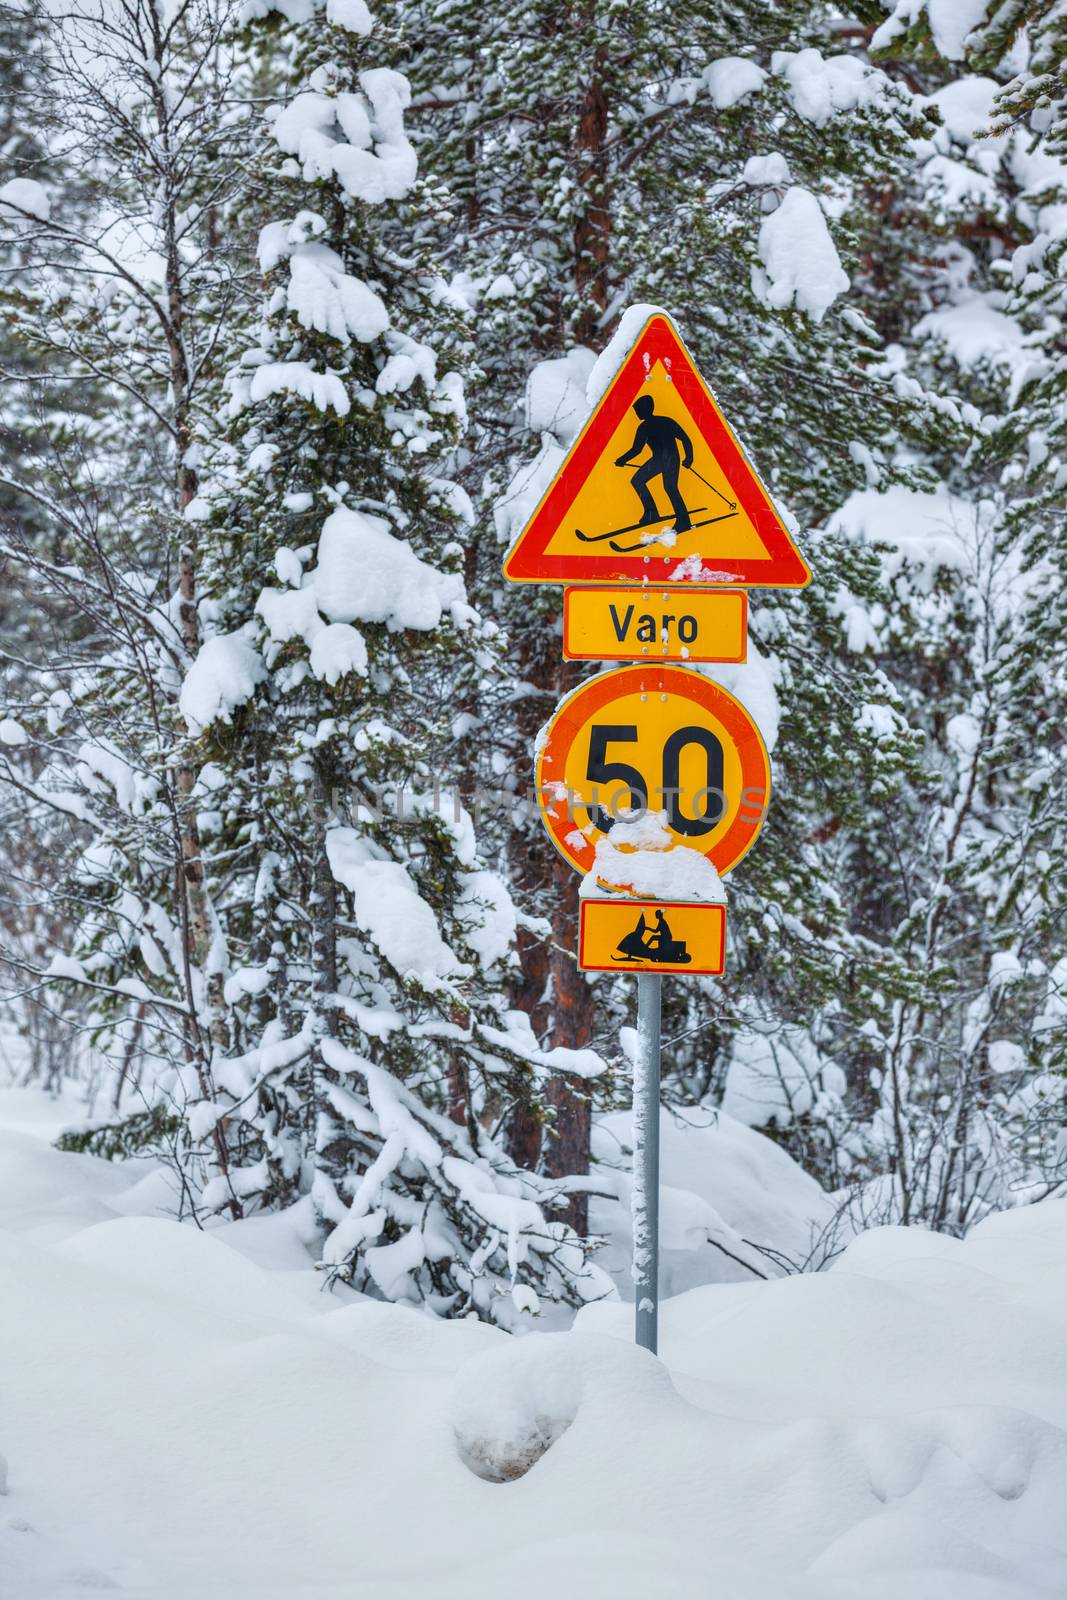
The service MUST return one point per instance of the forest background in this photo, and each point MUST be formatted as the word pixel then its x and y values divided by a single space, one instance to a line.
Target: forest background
pixel 302 307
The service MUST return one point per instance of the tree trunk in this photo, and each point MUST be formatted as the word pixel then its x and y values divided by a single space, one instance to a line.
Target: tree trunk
pixel 592 233
pixel 550 988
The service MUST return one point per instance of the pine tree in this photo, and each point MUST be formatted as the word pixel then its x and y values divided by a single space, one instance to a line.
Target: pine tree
pixel 605 157
pixel 368 1049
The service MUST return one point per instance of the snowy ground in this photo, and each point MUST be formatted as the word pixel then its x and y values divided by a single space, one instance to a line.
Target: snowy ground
pixel 183 1415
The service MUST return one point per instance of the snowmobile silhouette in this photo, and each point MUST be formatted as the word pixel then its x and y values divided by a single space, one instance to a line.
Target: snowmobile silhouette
pixel 652 944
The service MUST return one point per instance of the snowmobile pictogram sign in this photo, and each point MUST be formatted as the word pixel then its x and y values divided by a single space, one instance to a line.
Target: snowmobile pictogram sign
pixel 652 936
pixel 657 488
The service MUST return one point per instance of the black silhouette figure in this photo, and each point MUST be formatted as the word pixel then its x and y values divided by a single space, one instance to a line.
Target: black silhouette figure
pixel 652 944
pixel 633 946
pixel 663 438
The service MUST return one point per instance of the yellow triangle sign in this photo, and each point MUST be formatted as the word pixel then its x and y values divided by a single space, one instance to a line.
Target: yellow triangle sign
pixel 657 487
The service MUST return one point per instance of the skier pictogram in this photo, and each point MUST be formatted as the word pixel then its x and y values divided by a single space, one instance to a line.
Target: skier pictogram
pixel 652 944
pixel 664 439
pixel 656 486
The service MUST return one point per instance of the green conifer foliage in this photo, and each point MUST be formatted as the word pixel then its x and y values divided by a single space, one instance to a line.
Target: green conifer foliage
pixel 369 1047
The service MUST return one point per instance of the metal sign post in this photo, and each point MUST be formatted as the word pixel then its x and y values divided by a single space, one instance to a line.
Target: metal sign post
pixel 645 1203
pixel 664 589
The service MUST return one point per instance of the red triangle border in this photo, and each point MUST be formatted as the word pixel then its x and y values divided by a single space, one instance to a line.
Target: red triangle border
pixel 783 567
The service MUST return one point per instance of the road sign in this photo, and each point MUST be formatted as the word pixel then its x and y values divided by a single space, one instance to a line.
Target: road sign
pixel 679 623
pixel 655 487
pixel 652 936
pixel 656 738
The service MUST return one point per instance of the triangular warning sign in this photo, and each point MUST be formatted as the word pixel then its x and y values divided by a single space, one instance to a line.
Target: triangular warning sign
pixel 657 487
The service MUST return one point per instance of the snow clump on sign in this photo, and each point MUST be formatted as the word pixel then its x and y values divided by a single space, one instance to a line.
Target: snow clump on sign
pixel 618 348
pixel 800 258
pixel 642 858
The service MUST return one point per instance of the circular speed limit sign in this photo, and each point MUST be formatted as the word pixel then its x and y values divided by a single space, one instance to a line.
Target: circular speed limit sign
pixel 653 739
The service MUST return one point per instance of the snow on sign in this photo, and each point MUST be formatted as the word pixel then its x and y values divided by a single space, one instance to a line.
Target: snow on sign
pixel 653 742
pixel 656 487
pixel 665 936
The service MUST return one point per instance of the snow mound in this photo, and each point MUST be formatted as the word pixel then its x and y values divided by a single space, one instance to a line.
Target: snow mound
pixel 388 907
pixel 224 675
pixel 733 1204
pixel 555 394
pixel 893 1428
pixel 950 23
pixel 934 529
pixel 821 87
pixel 731 79
pixel 357 138
pixel 511 1403
pixel 801 260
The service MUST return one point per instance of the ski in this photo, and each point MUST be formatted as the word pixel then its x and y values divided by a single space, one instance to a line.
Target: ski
pixel 646 544
pixel 616 533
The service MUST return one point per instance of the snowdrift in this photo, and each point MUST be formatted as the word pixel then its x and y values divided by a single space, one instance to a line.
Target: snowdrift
pixel 185 1414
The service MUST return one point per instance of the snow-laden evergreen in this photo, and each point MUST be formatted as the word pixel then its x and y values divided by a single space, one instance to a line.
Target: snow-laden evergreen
pixel 304 306
pixel 644 158
pixel 366 941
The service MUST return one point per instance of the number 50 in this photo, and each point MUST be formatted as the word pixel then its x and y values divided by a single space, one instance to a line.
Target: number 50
pixel 710 795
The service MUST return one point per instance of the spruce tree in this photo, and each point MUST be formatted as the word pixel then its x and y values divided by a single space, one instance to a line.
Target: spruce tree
pixel 369 1049
pixel 951 886
pixel 604 157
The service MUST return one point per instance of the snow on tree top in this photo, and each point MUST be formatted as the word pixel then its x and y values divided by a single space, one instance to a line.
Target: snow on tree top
pixel 331 135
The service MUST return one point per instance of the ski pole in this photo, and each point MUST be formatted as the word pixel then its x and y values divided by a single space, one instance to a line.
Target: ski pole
pixel 731 503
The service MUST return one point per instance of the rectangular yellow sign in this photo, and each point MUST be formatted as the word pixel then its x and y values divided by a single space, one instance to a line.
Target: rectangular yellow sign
pixel 675 623
pixel 652 936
